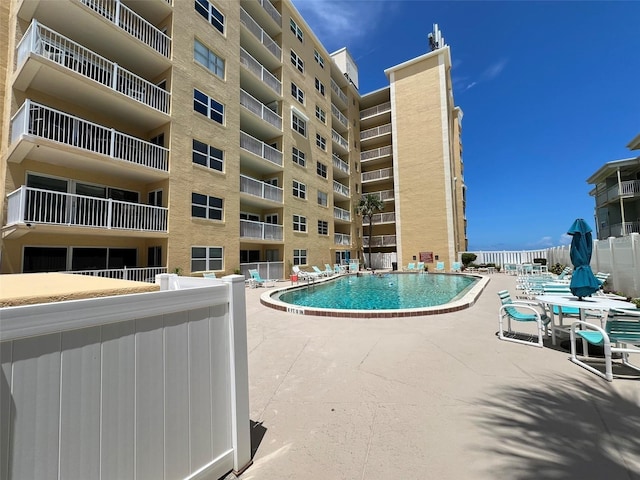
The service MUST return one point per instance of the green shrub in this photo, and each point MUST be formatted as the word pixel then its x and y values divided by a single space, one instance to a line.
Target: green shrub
pixel 467 258
pixel 556 269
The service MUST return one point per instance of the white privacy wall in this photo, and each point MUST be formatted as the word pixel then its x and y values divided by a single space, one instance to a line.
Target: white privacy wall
pixel 143 386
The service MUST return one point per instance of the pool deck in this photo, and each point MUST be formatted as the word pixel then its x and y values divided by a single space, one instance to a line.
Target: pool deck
pixel 429 397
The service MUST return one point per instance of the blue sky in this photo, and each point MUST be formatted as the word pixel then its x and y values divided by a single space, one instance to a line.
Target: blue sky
pixel 550 91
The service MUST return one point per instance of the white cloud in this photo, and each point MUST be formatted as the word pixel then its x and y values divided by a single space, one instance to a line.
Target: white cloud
pixel 565 239
pixel 488 74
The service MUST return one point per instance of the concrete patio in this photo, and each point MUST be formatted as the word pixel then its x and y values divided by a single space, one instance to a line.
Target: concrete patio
pixel 432 397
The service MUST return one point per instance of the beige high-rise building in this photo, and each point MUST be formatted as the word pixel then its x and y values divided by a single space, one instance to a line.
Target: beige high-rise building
pixel 143 136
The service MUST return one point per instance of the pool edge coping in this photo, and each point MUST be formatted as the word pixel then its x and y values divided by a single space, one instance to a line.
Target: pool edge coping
pixel 467 301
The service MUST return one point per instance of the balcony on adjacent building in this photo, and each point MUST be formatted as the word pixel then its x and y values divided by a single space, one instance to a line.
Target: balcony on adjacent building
pixel 376 155
pixel 337 114
pixel 375 133
pixel 339 94
pixel 341 189
pixel 380 241
pixel 260 40
pixel 261 157
pixel 618 230
pixel 383 195
pixel 258 118
pixel 39 132
pixel 625 189
pixel 260 191
pixel 58 66
pixel 340 142
pixel 250 230
pixel 260 78
pixel 341 239
pixel 32 207
pixel 265 14
pixel 341 214
pixel 341 168
pixel 380 218
pixel 377 175
pixel 375 111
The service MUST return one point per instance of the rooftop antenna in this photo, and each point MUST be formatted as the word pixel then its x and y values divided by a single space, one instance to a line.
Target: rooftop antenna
pixel 436 40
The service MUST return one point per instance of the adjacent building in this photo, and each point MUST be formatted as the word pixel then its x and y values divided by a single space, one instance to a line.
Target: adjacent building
pixel 145 136
pixel 617 196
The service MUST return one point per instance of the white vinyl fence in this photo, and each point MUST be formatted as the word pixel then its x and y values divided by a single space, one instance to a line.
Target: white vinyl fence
pixel 502 257
pixel 143 386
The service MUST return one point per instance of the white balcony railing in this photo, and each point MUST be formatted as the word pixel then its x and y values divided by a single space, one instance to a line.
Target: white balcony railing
pixel 261 149
pixel 341 239
pixel 44 122
pixel 336 89
pixel 341 189
pixel 618 230
pixel 255 67
pixel 131 22
pixel 628 188
pixel 134 274
pixel 380 241
pixel 375 132
pixel 383 195
pixel 260 189
pixel 378 218
pixel 258 108
pixel 272 11
pixel 376 153
pixel 377 110
pixel 338 114
pixel 341 214
pixel 46 43
pixel 260 34
pixel 340 164
pixel 339 139
pixel 260 230
pixel 38 206
pixel 382 174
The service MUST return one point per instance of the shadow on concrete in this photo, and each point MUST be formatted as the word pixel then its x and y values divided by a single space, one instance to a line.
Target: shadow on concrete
pixel 562 428
pixel 258 432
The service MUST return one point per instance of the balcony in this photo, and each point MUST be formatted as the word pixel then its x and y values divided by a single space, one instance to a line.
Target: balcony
pixel 260 41
pixel 377 155
pixel 39 132
pixel 31 207
pixel 626 189
pixel 52 63
pixel 341 168
pixel 341 214
pixel 377 175
pixel 258 118
pixel 383 195
pixel 337 114
pixel 618 230
pixel 250 230
pixel 261 157
pixel 341 189
pixel 260 79
pixel 260 191
pixel 340 142
pixel 265 14
pixel 376 133
pixel 380 241
pixel 341 239
pixel 375 111
pixel 339 94
pixel 380 218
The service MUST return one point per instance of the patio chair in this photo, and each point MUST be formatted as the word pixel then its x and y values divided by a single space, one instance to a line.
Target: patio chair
pixel 304 275
pixel 411 267
pixel 521 311
pixel 456 267
pixel 510 269
pixel 209 275
pixel 328 271
pixel 621 334
pixel 321 273
pixel 339 269
pixel 440 267
pixel 420 267
pixel 258 281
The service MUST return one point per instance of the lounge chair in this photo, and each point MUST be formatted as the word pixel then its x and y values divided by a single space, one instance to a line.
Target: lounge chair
pixel 440 267
pixel 304 275
pixel 456 267
pixel 328 271
pixel 320 273
pixel 258 281
pixel 621 334
pixel 209 275
pixel 411 267
pixel 420 267
pixel 339 268
pixel 521 311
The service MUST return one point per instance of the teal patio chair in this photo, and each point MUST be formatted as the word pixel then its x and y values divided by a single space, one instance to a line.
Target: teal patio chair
pixel 209 275
pixel 304 275
pixel 321 273
pixel 328 271
pixel 440 267
pixel 521 311
pixel 456 267
pixel 621 334
pixel 420 267
pixel 411 267
pixel 258 281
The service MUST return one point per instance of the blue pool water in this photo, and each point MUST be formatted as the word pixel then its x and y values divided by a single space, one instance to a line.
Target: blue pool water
pixel 386 292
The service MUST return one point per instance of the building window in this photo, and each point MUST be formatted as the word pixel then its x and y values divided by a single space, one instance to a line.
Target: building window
pixel 322 198
pixel 208 156
pixel 297 62
pixel 206 258
pixel 298 124
pixel 299 257
pixel 204 206
pixel 321 142
pixel 321 169
pixel 321 115
pixel 319 86
pixel 211 13
pixel 318 58
pixel 297 31
pixel 208 59
pixel 299 223
pixel 298 157
pixel 299 189
pixel 208 106
pixel 297 93
pixel 323 227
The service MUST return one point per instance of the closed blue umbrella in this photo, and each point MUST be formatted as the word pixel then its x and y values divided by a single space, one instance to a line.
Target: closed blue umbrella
pixel 583 281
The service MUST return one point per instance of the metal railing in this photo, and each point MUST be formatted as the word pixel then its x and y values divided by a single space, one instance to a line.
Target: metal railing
pixel 380 241
pixel 128 20
pixel 339 139
pixel 341 214
pixel 375 132
pixel 260 189
pixel 59 49
pixel 340 164
pixel 341 239
pixel 272 11
pixel 376 153
pixel 260 34
pixel 377 110
pixel 339 115
pixel 267 270
pixel 382 174
pixel 260 230
pixel 38 206
pixel 255 67
pixel 261 149
pixel 258 108
pixel 341 189
pixel 384 195
pixel 135 274
pixel 44 122
pixel 618 229
pixel 377 218
pixel 336 89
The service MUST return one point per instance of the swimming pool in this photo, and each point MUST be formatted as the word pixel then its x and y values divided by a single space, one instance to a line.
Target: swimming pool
pixel 388 295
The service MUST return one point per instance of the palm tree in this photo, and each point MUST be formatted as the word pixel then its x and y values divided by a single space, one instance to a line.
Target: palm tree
pixel 368 205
